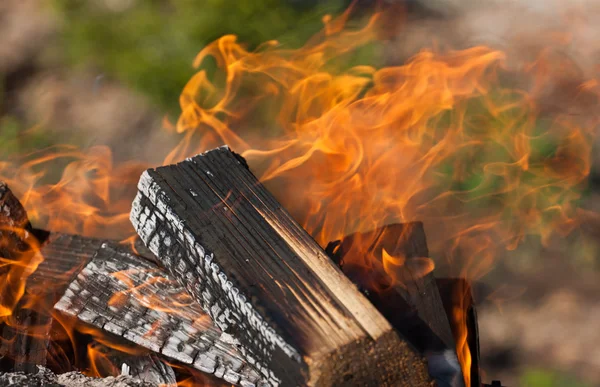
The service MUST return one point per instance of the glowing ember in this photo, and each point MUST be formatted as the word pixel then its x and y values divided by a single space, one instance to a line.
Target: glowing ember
pixel 441 139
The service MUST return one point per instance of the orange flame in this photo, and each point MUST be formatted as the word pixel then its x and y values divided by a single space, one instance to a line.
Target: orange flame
pixel 443 138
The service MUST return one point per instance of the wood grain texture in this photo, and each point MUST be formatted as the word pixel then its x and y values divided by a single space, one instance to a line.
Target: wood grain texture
pixel 130 297
pixel 264 280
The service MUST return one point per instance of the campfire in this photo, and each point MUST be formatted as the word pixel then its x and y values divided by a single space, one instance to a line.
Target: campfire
pixel 295 254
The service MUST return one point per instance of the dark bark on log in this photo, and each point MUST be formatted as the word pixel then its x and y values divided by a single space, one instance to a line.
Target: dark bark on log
pixel 127 296
pixel 263 279
pixel 410 301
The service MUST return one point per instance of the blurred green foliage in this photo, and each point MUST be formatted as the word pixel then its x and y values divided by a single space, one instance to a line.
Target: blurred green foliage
pixel 544 378
pixel 15 139
pixel 150 45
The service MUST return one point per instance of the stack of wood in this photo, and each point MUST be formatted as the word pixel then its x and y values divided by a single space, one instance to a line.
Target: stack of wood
pixel 227 286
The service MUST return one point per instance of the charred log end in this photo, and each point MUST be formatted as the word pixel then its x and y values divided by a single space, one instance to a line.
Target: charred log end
pixel 367 362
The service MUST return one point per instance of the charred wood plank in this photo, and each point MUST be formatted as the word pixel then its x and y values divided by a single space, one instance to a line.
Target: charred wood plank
pixel 405 292
pixel 130 297
pixel 264 280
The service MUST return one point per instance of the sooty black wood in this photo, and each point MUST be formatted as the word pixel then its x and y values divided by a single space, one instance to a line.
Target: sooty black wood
pixel 130 297
pixel 406 294
pixel 264 280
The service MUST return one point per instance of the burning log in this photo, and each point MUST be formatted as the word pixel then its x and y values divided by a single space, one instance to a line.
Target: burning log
pixel 24 347
pixel 97 265
pixel 405 293
pixel 19 350
pixel 25 343
pixel 264 280
pixel 14 224
pixel 127 296
pixel 38 268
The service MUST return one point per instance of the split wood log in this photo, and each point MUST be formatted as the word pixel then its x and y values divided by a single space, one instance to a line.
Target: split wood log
pixel 264 280
pixel 129 297
pixel 406 293
pixel 144 367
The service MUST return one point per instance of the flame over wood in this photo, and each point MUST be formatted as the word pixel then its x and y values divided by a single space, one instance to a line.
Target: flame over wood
pixel 25 336
pixel 264 280
pixel 19 350
pixel 405 294
pixel 132 298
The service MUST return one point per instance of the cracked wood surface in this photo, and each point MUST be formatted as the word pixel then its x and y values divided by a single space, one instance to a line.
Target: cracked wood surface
pixel 127 296
pixel 264 280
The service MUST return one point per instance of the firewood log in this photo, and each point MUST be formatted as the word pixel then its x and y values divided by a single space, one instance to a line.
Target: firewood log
pixel 132 298
pixel 25 347
pixel 264 280
pixel 408 297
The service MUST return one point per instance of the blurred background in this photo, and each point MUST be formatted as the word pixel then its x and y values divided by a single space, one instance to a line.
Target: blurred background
pixel 107 71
